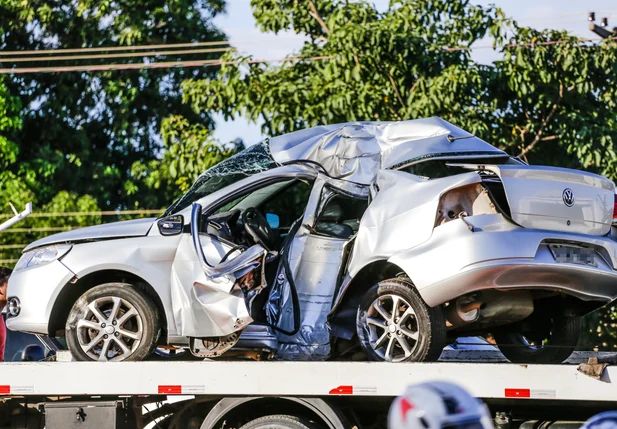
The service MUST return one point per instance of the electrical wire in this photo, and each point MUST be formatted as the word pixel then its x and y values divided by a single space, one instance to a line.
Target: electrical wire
pixel 154 65
pixel 92 213
pixel 215 62
pixel 123 55
pixel 115 48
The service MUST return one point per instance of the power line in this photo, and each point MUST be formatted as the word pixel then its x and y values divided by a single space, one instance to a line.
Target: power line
pixel 155 65
pixel 92 213
pixel 124 55
pixel 115 48
pixel 41 229
pixel 210 63
pixel 260 40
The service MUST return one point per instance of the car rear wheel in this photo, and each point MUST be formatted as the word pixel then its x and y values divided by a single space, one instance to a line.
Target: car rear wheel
pixel 395 325
pixel 113 322
pixel 541 338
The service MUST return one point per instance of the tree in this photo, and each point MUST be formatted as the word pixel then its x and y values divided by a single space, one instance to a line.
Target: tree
pixel 83 132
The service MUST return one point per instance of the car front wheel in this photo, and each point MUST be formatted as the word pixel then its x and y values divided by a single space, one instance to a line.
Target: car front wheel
pixel 113 322
pixel 395 325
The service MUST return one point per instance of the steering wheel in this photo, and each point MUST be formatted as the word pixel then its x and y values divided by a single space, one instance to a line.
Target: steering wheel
pixel 258 228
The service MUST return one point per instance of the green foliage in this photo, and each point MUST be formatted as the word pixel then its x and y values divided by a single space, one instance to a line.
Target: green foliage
pixel 85 142
pixel 84 131
pixel 190 150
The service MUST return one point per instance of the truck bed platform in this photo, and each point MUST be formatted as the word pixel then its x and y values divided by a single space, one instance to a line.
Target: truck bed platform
pixel 563 382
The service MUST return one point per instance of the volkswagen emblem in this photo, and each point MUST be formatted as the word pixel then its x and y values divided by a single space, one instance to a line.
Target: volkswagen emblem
pixel 568 197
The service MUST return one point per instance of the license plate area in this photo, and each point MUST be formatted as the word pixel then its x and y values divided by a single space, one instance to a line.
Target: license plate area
pixel 571 254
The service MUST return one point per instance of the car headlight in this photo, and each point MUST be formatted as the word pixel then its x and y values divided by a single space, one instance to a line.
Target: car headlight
pixel 42 256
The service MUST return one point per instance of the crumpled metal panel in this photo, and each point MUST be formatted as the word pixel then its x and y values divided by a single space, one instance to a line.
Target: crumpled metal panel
pixel 356 151
pixel 315 262
pixel 204 306
pixel 400 217
pixel 402 214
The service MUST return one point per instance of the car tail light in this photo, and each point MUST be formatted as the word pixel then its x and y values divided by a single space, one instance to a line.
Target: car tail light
pixel 615 211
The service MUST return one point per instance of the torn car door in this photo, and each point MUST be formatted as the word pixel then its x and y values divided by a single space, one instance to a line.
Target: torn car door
pixel 206 299
pixel 314 254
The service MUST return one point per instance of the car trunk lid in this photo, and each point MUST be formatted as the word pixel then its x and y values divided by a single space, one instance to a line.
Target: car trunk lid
pixel 558 199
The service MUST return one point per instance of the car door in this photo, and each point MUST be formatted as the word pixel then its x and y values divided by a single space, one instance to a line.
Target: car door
pixel 315 255
pixel 206 299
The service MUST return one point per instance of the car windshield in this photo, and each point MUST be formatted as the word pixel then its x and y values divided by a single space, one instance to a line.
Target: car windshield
pixel 255 159
pixel 436 168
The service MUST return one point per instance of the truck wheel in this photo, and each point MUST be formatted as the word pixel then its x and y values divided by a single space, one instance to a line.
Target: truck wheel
pixel 279 422
pixel 395 325
pixel 541 338
pixel 113 322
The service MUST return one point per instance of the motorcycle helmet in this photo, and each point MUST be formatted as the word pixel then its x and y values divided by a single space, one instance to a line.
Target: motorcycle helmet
pixel 438 405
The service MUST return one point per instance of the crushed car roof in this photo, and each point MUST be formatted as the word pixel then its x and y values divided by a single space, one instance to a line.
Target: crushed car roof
pixel 356 151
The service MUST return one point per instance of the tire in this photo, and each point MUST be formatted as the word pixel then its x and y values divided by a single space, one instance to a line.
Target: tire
pixel 279 422
pixel 419 335
pixel 560 334
pixel 138 324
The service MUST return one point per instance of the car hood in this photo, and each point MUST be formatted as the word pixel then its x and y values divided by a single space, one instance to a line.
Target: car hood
pixel 129 228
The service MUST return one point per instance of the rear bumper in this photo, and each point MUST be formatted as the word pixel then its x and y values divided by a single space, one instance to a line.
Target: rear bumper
pixel 583 282
pixel 499 255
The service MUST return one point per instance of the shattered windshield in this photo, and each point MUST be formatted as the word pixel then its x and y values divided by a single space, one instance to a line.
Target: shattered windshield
pixel 255 159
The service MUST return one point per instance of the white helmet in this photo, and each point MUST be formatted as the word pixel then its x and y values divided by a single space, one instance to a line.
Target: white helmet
pixel 438 405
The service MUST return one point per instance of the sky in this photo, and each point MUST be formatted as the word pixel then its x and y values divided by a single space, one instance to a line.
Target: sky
pixel 239 25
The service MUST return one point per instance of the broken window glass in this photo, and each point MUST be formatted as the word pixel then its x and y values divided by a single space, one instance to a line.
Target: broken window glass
pixel 252 160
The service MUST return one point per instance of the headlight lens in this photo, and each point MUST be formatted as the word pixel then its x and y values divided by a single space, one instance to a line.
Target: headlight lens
pixel 42 256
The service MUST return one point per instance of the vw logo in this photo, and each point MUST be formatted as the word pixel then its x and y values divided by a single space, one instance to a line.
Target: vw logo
pixel 568 197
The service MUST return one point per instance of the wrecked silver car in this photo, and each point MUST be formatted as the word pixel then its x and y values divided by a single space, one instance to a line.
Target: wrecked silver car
pixel 378 241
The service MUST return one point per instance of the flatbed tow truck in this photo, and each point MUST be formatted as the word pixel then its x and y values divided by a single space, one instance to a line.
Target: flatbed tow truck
pixel 326 395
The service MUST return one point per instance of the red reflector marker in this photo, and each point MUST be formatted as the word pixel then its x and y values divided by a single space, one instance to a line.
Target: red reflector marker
pixel 342 390
pixel 5 390
pixel 518 393
pixel 615 210
pixel 171 390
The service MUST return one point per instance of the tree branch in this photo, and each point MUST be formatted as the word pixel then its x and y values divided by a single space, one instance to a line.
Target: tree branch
pixel 539 137
pixel 318 18
pixel 398 94
pixel 396 115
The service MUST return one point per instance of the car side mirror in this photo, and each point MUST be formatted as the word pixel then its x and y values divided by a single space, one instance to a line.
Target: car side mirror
pixel 171 225
pixel 273 220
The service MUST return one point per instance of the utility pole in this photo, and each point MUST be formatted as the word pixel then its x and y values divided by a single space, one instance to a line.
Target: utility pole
pixel 601 30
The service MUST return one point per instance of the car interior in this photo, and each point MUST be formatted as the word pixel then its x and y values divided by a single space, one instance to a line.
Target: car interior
pixel 270 216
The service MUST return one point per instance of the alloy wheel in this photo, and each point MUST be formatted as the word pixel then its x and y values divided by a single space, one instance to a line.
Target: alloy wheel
pixel 393 328
pixel 111 329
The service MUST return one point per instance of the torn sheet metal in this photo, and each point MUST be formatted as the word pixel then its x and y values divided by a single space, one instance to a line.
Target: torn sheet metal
pixel 204 306
pixel 314 262
pixel 356 151
pixel 403 200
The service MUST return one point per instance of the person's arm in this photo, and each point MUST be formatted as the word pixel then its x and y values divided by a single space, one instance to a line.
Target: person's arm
pixel 3 294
